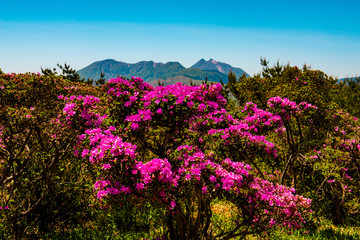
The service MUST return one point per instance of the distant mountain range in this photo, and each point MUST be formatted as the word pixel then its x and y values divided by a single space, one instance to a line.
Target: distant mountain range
pixel 167 73
pixel 348 78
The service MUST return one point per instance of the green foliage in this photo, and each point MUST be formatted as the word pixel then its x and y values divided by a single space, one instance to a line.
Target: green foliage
pixel 348 95
pixel 42 183
pixel 298 85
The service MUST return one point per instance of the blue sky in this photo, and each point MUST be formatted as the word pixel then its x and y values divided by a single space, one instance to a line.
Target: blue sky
pixel 323 34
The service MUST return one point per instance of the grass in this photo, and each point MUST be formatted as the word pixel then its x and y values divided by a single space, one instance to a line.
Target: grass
pixel 324 230
pixel 327 233
pixel 125 225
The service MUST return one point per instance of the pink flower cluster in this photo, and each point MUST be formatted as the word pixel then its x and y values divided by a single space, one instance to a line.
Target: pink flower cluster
pixel 287 108
pixel 4 208
pixel 261 120
pixel 104 143
pixel 1 132
pixel 85 106
pixel 161 166
pixel 234 134
pixel 187 96
pixel 193 101
pixel 126 91
pixel 282 199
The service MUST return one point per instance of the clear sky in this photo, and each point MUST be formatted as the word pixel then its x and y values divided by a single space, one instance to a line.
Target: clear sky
pixel 323 34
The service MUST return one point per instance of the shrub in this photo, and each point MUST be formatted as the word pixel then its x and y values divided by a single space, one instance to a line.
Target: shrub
pixel 43 185
pixel 170 147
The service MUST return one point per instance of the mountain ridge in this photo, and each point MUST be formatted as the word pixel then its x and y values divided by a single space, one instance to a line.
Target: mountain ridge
pixel 167 72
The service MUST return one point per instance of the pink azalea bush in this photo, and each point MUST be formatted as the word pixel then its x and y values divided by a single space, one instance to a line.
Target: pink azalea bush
pixel 319 162
pixel 309 136
pixel 177 148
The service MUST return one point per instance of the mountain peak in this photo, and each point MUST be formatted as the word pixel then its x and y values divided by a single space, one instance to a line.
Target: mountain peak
pixel 214 65
pixel 201 61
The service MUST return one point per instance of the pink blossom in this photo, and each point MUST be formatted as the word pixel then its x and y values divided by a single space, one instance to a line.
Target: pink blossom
pixel 204 189
pixel 106 166
pixel 172 204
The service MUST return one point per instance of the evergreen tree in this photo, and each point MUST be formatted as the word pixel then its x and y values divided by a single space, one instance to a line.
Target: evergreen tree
pixel 102 79
pixel 347 95
pixel 160 83
pixel 67 73
pixel 70 73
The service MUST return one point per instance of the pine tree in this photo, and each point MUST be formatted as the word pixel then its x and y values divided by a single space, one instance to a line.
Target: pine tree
pixel 70 73
pixel 102 79
pixel 67 73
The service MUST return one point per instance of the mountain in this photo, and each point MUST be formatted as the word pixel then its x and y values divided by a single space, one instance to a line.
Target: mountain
pixel 218 66
pixel 164 72
pixel 197 74
pixel 148 70
pixel 173 80
pixel 354 79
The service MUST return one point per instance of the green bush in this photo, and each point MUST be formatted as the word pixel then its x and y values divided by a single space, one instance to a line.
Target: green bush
pixel 43 185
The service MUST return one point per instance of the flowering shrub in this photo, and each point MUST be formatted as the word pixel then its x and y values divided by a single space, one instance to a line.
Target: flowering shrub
pixel 336 166
pixel 172 147
pixel 310 135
